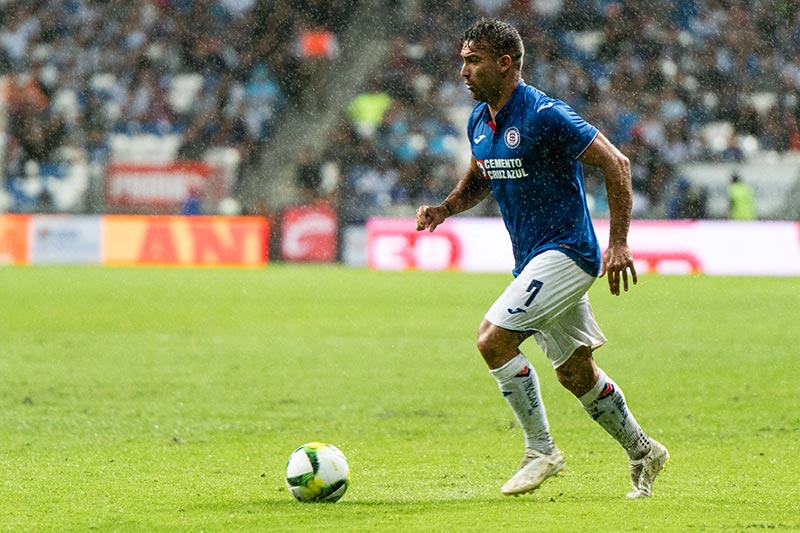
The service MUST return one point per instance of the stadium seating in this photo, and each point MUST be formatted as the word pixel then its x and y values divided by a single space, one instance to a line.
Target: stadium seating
pixel 160 82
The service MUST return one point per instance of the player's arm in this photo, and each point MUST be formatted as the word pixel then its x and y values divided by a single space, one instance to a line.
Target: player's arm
pixel 616 168
pixel 470 190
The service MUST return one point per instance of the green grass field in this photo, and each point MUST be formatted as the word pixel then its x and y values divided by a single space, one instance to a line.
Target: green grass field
pixel 170 400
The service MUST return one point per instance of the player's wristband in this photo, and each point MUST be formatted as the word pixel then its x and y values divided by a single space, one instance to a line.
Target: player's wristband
pixel 449 208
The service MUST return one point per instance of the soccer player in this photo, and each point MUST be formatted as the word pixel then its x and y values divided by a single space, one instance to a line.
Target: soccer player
pixel 527 150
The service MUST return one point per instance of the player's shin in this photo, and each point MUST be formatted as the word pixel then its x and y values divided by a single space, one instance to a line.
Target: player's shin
pixel 605 403
pixel 520 386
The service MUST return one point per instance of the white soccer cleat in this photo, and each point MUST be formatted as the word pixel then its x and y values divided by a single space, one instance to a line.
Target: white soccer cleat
pixel 536 467
pixel 645 470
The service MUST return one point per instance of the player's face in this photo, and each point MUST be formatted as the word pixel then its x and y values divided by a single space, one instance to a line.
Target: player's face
pixel 481 72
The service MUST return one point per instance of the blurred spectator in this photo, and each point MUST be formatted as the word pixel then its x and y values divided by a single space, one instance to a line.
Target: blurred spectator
pixel 793 130
pixel 742 199
pixel 308 176
pixel 733 152
pixel 148 109
pixel 688 201
pixel 368 107
pixel 33 122
pixel 198 136
pixel 193 205
pixel 262 100
pixel 19 28
pixel 37 133
pixel 315 47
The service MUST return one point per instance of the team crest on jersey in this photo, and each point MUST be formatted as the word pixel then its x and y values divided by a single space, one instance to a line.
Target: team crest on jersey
pixel 512 137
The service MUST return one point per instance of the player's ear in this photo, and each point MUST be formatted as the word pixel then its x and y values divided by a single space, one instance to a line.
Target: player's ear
pixel 504 62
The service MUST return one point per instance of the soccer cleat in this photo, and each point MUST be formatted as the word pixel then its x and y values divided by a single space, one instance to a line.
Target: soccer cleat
pixel 645 470
pixel 536 467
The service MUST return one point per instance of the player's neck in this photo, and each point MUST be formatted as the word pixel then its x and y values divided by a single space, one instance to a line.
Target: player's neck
pixel 495 108
pixel 503 96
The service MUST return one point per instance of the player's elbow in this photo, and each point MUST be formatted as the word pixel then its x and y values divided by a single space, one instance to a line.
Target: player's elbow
pixel 618 172
pixel 623 164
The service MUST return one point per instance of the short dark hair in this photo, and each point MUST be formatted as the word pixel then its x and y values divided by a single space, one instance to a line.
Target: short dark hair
pixel 500 37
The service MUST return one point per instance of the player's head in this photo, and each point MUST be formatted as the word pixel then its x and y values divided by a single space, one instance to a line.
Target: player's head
pixel 492 52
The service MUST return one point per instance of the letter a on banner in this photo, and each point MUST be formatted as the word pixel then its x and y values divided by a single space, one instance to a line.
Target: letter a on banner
pixel 159 244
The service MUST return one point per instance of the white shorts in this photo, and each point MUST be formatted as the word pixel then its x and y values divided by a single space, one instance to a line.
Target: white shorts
pixel 549 299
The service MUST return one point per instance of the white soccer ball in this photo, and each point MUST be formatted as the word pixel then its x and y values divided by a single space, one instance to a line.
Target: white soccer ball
pixel 317 472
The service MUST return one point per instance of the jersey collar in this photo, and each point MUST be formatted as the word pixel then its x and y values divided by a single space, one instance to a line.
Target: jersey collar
pixel 502 115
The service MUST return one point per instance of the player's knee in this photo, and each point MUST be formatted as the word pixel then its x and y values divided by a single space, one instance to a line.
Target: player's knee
pixel 579 373
pixel 492 346
pixel 486 343
pixel 496 345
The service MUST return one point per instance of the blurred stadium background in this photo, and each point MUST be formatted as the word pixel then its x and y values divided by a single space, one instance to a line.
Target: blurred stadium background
pixel 323 114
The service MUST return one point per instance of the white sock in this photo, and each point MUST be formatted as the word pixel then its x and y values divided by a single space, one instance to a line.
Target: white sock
pixel 520 386
pixel 605 403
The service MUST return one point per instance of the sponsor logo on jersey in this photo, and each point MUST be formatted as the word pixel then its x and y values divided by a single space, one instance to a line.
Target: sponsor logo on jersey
pixel 502 169
pixel 512 137
pixel 479 138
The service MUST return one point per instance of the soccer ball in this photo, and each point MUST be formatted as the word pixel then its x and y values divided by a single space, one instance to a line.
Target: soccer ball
pixel 317 472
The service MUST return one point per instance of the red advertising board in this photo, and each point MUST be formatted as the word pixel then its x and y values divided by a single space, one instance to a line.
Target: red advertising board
pixel 161 185
pixel 309 233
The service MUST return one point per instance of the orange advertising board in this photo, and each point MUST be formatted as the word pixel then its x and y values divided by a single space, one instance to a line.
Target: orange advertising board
pixel 14 231
pixel 185 241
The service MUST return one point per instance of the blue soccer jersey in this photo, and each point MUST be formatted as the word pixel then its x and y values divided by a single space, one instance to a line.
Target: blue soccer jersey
pixel 530 157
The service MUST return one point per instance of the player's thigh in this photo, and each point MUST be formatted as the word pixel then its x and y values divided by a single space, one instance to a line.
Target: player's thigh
pixel 548 286
pixel 573 329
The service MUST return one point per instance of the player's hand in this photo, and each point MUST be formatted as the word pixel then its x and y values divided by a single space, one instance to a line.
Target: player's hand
pixel 616 262
pixel 430 216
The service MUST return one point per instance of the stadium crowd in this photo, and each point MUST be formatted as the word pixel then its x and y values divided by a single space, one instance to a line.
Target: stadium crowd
pixel 659 78
pixel 82 70
pixel 656 77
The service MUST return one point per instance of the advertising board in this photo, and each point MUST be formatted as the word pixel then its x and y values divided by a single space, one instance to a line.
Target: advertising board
pixel 65 239
pixel 185 241
pixel 14 239
pixel 161 185
pixel 667 247
pixel 309 233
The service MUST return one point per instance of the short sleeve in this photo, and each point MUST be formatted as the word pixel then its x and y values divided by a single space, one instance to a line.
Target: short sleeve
pixel 566 128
